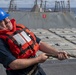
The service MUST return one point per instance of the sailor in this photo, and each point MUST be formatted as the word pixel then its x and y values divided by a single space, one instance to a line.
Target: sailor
pixel 18 47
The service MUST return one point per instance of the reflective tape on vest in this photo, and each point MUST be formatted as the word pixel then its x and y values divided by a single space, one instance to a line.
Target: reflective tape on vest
pixel 22 38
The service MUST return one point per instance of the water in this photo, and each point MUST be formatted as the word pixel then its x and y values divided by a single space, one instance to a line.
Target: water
pixel 28 9
pixel 73 10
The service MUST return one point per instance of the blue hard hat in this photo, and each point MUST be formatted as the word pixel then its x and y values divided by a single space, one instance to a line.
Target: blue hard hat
pixel 3 14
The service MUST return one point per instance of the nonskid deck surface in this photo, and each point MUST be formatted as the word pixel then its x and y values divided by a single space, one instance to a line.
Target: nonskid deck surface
pixel 62 39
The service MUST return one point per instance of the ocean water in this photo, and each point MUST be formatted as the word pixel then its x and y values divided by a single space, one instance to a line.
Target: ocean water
pixel 29 9
pixel 73 10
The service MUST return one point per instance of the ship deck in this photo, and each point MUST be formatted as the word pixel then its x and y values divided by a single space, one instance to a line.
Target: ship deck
pixel 62 39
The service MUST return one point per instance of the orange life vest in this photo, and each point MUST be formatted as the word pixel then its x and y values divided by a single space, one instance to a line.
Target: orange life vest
pixel 21 41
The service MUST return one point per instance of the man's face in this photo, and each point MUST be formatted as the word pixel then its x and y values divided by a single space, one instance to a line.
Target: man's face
pixel 6 24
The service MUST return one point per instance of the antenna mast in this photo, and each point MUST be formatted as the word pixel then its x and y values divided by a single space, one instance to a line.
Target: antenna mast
pixel 12 6
pixel 41 4
pixel 57 6
pixel 45 6
pixel 69 5
pixel 35 2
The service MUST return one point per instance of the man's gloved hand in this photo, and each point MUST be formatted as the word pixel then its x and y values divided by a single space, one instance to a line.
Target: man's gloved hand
pixel 62 55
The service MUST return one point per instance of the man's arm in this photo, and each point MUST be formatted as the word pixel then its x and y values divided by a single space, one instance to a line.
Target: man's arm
pixel 50 50
pixel 47 48
pixel 24 63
